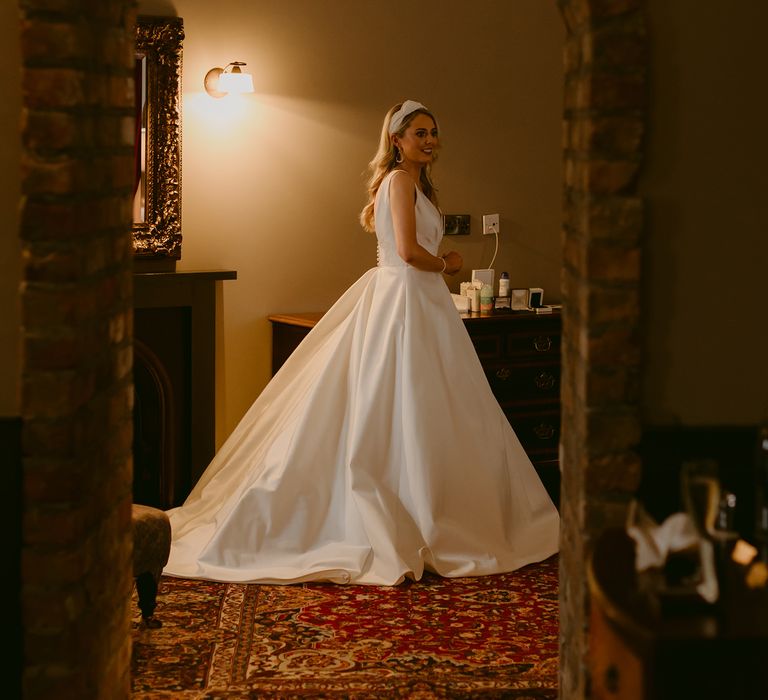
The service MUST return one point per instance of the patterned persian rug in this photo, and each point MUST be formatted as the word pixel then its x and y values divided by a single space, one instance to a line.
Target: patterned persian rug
pixel 489 637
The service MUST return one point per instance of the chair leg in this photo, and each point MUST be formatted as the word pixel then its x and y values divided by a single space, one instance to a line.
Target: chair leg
pixel 151 547
pixel 146 587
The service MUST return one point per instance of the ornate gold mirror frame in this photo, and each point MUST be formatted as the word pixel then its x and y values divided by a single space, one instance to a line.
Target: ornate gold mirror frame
pixel 157 206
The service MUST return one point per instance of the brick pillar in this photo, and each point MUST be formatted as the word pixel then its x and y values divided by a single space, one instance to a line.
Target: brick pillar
pixel 605 97
pixel 77 178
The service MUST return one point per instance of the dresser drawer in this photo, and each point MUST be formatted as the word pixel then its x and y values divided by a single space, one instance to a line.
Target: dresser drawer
pixel 515 382
pixel 543 343
pixel 539 433
pixel 537 342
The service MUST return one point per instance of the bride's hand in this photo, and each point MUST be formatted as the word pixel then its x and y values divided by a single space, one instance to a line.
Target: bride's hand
pixel 453 262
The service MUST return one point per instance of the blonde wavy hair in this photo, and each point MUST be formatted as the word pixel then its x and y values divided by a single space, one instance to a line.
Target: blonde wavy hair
pixel 386 160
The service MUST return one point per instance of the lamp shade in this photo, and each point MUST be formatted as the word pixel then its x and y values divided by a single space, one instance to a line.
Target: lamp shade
pixel 234 80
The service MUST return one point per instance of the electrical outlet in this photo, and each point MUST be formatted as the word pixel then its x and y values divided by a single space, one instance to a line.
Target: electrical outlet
pixel 456 224
pixel 490 224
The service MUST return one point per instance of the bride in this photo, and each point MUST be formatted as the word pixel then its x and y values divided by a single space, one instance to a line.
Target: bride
pixel 378 451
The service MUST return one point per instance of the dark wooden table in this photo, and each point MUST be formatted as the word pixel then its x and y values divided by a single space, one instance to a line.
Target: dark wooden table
pixel 642 649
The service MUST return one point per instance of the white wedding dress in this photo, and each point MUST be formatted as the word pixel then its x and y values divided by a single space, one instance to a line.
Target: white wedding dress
pixel 376 452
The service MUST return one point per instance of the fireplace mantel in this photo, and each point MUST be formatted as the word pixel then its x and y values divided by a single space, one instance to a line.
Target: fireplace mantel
pixel 174 378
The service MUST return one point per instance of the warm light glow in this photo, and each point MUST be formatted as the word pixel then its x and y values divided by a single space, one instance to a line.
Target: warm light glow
pixel 235 82
pixel 220 82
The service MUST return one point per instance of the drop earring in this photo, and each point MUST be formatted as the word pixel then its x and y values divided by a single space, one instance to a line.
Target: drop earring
pixel 398 155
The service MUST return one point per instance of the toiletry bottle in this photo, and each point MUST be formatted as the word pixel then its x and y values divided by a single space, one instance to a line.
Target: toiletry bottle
pixel 486 299
pixel 504 284
pixel 474 298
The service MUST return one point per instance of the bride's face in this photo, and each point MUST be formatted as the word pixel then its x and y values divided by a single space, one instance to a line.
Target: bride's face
pixel 420 142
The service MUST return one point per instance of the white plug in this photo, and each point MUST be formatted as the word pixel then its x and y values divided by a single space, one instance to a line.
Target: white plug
pixel 490 224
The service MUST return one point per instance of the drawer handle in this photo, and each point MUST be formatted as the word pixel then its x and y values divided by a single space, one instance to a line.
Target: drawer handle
pixel 612 679
pixel 542 343
pixel 503 373
pixel 544 431
pixel 545 380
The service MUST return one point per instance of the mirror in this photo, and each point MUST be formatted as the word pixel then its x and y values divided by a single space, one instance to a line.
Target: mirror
pixel 157 188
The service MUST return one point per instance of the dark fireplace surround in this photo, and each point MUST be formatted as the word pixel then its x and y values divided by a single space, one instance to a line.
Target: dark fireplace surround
pixel 174 382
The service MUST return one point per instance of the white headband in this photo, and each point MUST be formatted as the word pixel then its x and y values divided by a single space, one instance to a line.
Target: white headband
pixel 408 107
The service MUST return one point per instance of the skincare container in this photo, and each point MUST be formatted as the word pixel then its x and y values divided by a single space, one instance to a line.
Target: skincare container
pixel 474 298
pixel 486 299
pixel 504 284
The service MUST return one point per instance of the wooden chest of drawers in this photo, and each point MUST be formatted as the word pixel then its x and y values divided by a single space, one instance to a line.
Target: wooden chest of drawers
pixel 520 353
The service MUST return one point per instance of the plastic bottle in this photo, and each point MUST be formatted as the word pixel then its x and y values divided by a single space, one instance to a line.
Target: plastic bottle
pixel 486 299
pixel 504 284
pixel 474 298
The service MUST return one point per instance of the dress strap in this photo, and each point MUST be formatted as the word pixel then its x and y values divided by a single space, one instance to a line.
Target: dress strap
pixel 393 172
pixel 416 189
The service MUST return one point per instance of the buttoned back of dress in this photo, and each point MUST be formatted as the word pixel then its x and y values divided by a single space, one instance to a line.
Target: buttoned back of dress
pixel 429 223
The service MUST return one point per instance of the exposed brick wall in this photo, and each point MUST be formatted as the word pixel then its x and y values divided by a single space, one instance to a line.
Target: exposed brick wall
pixel 77 170
pixel 605 66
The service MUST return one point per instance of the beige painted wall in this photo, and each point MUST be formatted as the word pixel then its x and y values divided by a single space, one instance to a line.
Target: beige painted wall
pixel 10 193
pixel 706 276
pixel 273 182
pixel 272 186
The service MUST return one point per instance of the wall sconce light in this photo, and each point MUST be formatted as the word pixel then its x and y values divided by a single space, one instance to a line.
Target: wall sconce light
pixel 230 79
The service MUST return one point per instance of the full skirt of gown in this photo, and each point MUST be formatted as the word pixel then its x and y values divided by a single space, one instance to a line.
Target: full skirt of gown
pixel 377 451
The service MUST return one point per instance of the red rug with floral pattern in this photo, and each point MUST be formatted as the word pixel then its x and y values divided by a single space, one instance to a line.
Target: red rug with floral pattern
pixel 490 637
